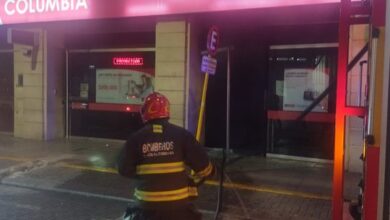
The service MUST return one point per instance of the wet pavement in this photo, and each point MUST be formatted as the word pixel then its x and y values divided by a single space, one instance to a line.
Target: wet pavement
pixel 79 174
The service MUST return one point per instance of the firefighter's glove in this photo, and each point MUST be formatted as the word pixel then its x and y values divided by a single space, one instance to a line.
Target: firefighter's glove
pixel 195 180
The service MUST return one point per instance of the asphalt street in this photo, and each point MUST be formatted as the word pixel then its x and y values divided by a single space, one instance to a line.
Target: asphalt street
pixel 77 180
pixel 28 203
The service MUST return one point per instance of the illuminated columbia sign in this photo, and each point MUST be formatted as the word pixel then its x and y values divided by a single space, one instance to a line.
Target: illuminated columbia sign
pixel 43 6
pixel 29 11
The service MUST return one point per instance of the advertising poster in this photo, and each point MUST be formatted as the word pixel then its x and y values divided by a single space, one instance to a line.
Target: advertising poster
pixel 302 87
pixel 123 86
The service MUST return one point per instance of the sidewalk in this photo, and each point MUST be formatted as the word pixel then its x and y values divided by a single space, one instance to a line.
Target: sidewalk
pixel 254 186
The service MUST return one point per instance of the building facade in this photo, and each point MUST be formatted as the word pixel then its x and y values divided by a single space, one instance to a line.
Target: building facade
pixel 82 67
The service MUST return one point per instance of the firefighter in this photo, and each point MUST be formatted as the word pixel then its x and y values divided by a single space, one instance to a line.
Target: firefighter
pixel 167 163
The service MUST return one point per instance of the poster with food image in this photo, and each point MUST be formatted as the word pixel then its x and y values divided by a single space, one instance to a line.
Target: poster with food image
pixel 123 86
pixel 302 87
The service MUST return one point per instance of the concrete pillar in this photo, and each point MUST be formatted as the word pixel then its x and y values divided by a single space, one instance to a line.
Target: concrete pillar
pixel 38 84
pixel 171 66
pixel 195 77
pixel 29 88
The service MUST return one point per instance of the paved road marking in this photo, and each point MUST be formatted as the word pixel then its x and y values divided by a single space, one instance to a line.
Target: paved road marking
pixel 216 183
pixel 79 193
pixel 208 182
pixel 68 191
pixel 97 169
pixel 270 190
pixel 18 159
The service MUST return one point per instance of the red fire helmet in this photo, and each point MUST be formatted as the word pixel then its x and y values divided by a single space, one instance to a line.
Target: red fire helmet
pixel 156 106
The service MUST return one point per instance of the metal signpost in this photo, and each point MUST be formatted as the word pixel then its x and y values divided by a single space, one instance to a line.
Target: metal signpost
pixel 209 65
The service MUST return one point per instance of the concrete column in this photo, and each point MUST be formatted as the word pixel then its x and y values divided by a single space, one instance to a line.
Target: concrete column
pixel 38 84
pixel 171 66
pixel 195 77
pixel 29 88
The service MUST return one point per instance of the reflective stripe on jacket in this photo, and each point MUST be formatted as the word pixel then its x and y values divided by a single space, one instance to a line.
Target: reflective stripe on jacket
pixel 164 196
pixel 160 168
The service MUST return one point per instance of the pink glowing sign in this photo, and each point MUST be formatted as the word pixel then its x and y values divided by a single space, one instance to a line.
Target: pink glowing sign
pixel 128 61
pixel 26 11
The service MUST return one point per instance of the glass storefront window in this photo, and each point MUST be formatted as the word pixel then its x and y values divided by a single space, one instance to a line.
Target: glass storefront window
pixel 106 90
pixel 299 76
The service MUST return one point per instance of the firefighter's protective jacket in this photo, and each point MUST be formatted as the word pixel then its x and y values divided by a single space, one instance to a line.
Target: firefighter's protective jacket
pixel 158 157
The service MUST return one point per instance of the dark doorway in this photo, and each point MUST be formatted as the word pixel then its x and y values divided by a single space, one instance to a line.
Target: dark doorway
pixel 247 90
pixel 6 92
pixel 215 112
